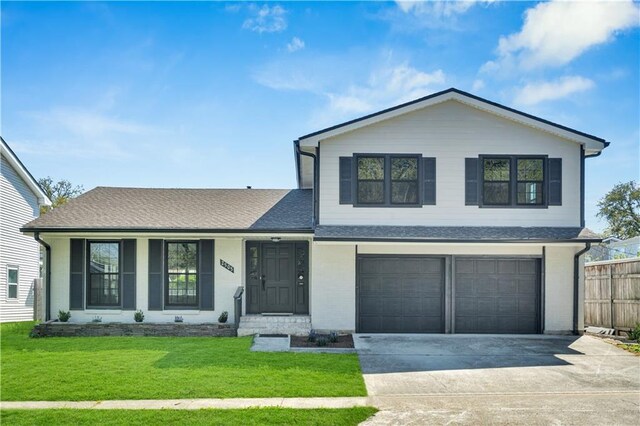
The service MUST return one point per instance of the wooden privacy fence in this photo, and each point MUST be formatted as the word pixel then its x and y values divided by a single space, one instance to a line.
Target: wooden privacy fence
pixel 612 294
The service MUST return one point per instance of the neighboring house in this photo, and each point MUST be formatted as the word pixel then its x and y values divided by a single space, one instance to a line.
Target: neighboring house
pixel 614 248
pixel 20 201
pixel 448 214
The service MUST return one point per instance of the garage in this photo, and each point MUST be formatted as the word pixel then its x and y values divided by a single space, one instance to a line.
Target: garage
pixel 497 295
pixel 400 294
pixel 406 294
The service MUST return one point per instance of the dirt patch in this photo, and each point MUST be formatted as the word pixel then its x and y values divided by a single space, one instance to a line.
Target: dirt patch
pixel 344 341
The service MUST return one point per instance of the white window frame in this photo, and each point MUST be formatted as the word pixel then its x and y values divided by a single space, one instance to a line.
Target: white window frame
pixel 17 283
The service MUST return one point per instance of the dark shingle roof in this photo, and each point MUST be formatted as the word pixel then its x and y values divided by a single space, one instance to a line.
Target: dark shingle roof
pixel 105 208
pixel 452 233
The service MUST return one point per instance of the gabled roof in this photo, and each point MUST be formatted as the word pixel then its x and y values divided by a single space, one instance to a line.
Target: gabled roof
pixel 466 234
pixel 24 173
pixel 591 143
pixel 106 209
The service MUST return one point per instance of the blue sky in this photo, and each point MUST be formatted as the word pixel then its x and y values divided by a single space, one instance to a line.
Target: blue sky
pixel 212 94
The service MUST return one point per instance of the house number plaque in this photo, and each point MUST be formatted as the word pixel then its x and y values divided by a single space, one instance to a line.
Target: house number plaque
pixel 226 266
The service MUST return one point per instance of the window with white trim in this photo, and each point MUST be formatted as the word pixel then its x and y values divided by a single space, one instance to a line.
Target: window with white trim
pixel 12 282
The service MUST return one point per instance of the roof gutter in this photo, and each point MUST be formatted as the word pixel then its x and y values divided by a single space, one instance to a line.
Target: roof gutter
pixel 47 276
pixel 315 178
pixel 576 286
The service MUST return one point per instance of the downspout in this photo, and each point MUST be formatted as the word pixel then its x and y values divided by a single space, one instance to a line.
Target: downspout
pixel 315 179
pixel 47 276
pixel 576 285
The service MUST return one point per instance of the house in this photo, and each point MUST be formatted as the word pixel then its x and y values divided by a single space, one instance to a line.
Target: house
pixel 448 214
pixel 20 201
pixel 612 248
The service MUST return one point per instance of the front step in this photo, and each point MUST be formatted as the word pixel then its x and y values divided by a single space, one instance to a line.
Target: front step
pixel 295 325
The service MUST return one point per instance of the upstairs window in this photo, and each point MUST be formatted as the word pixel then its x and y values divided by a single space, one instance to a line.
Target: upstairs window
pixel 530 181
pixel 371 180
pixel 404 180
pixel 497 178
pixel 513 181
pixel 387 180
pixel 104 274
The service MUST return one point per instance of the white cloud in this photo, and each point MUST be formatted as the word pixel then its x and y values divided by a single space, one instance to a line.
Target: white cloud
pixel 440 8
pixel 557 32
pixel 266 19
pixel 534 93
pixel 89 124
pixel 477 85
pixel 295 44
pixel 385 87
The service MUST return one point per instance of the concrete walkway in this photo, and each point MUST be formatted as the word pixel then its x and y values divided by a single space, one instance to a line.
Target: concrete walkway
pixel 192 404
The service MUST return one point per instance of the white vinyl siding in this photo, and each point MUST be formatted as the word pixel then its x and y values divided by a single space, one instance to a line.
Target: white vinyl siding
pixel 450 132
pixel 18 205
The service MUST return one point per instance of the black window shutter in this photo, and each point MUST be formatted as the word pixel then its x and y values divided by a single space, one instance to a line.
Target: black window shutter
pixel 346 196
pixel 156 274
pixel 555 181
pixel 205 274
pixel 471 186
pixel 128 274
pixel 77 281
pixel 429 184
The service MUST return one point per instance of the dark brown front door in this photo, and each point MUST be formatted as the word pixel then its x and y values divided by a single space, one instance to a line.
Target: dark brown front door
pixel 277 277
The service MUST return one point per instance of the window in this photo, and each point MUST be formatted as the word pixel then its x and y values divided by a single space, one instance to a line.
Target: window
pixel 404 180
pixel 12 282
pixel 371 180
pixel 182 274
pixel 496 181
pixel 384 180
pixel 513 181
pixel 104 274
pixel 530 180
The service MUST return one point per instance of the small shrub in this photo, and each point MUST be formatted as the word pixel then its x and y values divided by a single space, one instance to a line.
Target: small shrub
pixel 223 317
pixel 312 336
pixel 322 341
pixel 97 318
pixel 333 336
pixel 63 316
pixel 634 333
pixel 138 316
pixel 35 333
pixel 178 318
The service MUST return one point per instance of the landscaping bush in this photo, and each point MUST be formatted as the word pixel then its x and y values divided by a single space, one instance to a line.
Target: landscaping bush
pixel 634 333
pixel 63 316
pixel 97 318
pixel 138 316
pixel 223 317
pixel 312 336
pixel 322 341
pixel 333 336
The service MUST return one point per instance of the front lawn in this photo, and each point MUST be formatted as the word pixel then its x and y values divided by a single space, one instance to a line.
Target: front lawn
pixel 103 368
pixel 251 416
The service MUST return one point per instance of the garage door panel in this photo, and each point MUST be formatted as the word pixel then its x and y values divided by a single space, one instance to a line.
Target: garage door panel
pixel 507 286
pixel 485 266
pixel 402 294
pixel 496 295
pixel 508 266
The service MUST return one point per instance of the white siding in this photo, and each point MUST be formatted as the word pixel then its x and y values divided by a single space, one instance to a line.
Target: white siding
pixel 18 205
pixel 450 132
pixel 559 289
pixel 333 287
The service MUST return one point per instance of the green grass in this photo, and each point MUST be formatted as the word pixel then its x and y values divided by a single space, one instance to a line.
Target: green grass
pixel 250 416
pixel 634 349
pixel 102 368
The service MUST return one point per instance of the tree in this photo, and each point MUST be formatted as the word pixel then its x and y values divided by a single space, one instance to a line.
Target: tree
pixel 59 193
pixel 620 207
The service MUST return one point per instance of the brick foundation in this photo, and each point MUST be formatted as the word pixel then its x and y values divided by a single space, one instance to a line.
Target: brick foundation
pixel 67 329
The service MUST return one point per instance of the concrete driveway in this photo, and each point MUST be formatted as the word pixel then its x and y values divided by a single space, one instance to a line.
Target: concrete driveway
pixel 471 379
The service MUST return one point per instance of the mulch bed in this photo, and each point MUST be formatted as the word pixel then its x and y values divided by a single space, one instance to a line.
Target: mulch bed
pixel 344 341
